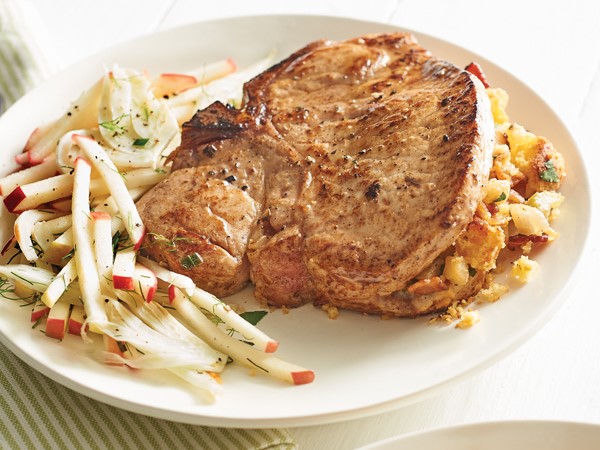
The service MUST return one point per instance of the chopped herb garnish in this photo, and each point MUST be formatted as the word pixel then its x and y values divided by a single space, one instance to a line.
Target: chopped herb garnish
pixel 19 252
pixel 115 241
pixel 550 173
pixel 500 198
pixel 36 247
pixel 212 316
pixel 70 168
pixel 69 255
pixel 472 272
pixel 191 260
pixel 253 317
pixel 120 241
pixel 37 322
pixel 146 113
pixel 8 292
pixel 142 291
pixel 113 125
pixel 160 170
pixel 140 142
pixel 160 239
pixel 25 279
pixel 256 365
pixel 115 170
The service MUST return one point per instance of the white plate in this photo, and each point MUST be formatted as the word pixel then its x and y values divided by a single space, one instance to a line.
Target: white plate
pixel 363 365
pixel 513 435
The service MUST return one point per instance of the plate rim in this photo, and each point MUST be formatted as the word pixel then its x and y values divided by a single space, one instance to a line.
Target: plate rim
pixel 499 423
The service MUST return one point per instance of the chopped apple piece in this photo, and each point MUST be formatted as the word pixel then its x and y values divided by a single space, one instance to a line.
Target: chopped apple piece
pixel 81 114
pixel 225 89
pixel 23 159
pixel 67 151
pixel 36 135
pixel 76 320
pixel 32 195
pixel 123 270
pixel 44 232
pixel 44 265
pixel 29 175
pixel 109 206
pixel 23 289
pixel 169 84
pixel 144 177
pixel 162 273
pixel 84 257
pixel 145 282
pixel 56 190
pixel 239 351
pixel 103 247
pixel 116 185
pixel 56 323
pixel 72 295
pixel 60 205
pixel 60 284
pixel 59 249
pixel 204 76
pixel 212 71
pixel 233 321
pixel 39 311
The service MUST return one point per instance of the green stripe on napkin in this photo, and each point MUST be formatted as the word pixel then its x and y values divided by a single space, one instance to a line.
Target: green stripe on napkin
pixel 37 413
pixel 21 65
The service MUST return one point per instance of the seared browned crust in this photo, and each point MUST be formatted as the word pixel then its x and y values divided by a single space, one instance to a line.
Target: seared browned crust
pixel 403 303
pixel 349 169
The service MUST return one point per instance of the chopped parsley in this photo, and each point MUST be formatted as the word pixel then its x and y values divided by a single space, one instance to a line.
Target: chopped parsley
pixel 172 243
pixel 500 198
pixel 140 142
pixel 253 317
pixel 191 260
pixel 549 174
pixel 113 125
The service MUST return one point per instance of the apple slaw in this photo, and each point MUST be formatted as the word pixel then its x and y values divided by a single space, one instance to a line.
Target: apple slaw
pixel 75 253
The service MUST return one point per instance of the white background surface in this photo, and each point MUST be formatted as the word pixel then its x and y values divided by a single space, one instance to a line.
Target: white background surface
pixel 552 46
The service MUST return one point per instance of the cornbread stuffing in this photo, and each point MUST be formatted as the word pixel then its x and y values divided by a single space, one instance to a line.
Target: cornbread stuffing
pixel 523 269
pixel 520 201
pixel 468 319
pixel 332 311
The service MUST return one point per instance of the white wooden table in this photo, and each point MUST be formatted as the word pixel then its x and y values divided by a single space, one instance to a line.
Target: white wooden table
pixel 554 47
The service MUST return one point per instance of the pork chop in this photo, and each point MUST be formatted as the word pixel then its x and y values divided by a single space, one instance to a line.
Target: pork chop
pixel 349 169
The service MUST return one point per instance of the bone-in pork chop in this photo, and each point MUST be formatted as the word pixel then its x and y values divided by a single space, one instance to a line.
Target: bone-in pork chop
pixel 349 169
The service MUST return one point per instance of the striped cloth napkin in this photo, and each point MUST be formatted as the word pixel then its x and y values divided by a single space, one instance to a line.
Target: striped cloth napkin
pixel 36 412
pixel 23 63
